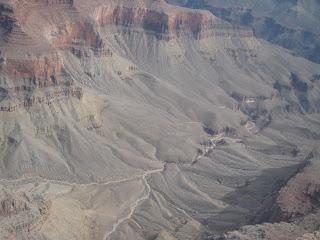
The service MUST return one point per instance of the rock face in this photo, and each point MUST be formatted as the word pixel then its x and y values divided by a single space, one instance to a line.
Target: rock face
pixel 299 202
pixel 160 22
pixel 10 205
pixel 301 194
pixel 290 24
pixel 38 72
pixel 21 214
pixel 139 119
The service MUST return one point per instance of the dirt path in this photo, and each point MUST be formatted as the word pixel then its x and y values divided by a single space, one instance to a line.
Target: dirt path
pixel 81 184
pixel 134 205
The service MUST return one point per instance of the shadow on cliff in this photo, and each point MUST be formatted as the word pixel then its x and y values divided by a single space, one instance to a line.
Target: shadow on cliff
pixel 255 202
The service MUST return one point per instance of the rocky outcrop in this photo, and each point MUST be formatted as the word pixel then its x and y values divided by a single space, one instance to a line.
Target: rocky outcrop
pixel 10 22
pixel 20 60
pixel 302 193
pixel 63 63
pixel 10 205
pixel 282 27
pixel 70 92
pixel 164 25
pixel 37 72
pixel 295 211
pixel 21 214
pixel 74 34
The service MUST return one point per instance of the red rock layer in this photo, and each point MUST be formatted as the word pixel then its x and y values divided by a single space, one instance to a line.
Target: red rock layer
pixel 40 28
pixel 302 193
pixel 77 33
pixel 38 72
pixel 158 22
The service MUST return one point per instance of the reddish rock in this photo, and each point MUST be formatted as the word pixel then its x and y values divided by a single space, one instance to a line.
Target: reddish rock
pixel 40 71
pixel 160 22
pixel 302 193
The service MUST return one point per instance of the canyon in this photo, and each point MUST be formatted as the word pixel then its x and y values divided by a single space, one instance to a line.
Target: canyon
pixel 153 119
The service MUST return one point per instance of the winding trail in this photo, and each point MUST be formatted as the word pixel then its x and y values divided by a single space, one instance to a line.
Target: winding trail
pixel 81 184
pixel 134 205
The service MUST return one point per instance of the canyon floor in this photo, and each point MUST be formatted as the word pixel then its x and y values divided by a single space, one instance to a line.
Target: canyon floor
pixel 144 120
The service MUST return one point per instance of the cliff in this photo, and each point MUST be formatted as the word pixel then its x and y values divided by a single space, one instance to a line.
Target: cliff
pixel 301 195
pixel 162 23
pixel 136 119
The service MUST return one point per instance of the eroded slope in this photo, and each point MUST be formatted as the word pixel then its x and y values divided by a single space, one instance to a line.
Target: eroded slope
pixel 141 120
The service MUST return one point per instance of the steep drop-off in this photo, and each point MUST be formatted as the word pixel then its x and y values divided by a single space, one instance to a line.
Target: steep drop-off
pixel 291 24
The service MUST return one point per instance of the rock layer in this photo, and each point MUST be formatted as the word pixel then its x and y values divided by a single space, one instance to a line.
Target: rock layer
pixel 137 119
